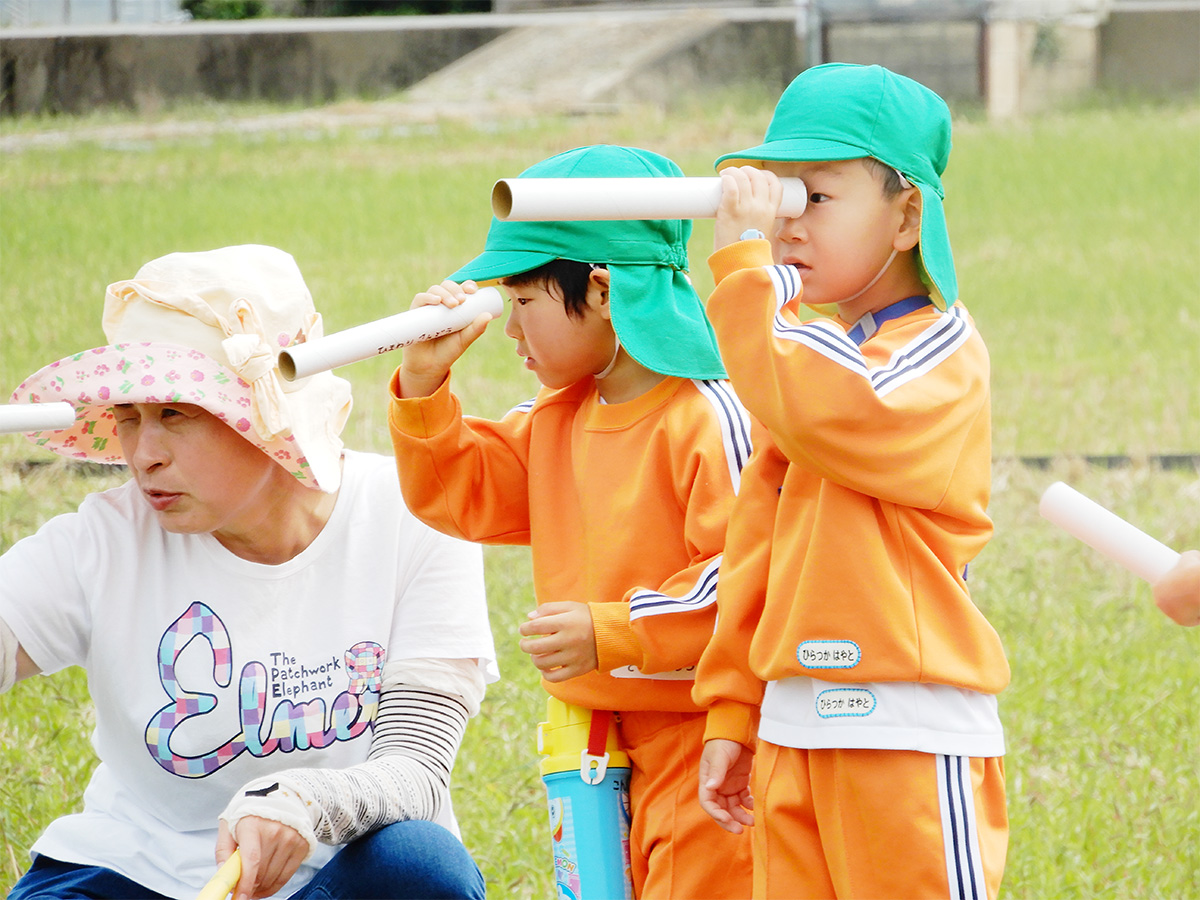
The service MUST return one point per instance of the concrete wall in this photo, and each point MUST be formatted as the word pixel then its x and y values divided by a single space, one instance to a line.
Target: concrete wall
pixel 1151 51
pixel 53 71
pixel 1017 66
pixel 78 70
pixel 764 53
pixel 944 56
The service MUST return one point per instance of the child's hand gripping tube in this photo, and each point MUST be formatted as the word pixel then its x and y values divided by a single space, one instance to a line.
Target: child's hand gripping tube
pixel 587 787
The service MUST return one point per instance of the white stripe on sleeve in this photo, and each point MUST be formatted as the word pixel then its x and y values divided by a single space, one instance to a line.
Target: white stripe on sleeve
pixel 702 594
pixel 786 281
pixel 933 346
pixel 735 426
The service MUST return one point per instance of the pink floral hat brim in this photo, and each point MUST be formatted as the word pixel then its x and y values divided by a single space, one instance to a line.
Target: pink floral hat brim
pixel 96 380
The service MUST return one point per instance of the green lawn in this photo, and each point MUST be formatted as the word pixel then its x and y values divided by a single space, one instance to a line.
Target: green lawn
pixel 1077 238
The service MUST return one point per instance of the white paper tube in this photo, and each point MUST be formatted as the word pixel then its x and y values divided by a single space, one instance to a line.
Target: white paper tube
pixel 593 199
pixel 16 418
pixel 1106 532
pixel 383 335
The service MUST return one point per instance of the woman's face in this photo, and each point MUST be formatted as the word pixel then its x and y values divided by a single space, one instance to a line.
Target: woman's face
pixel 197 473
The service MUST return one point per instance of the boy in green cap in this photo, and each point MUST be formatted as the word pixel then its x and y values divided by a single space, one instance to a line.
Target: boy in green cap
pixel 849 662
pixel 620 476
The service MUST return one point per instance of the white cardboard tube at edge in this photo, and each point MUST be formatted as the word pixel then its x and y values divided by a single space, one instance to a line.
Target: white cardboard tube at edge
pixel 19 418
pixel 594 199
pixel 1106 532
pixel 383 335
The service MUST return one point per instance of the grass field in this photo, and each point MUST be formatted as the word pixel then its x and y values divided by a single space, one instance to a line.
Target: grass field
pixel 1077 239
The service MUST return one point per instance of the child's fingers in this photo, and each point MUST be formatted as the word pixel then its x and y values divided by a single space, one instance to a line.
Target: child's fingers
pixel 742 816
pixel 763 189
pixel 558 674
pixel 550 653
pixel 553 653
pixel 545 658
pixel 721 816
pixel 738 820
pixel 542 642
pixel 549 618
pixel 730 824
pixel 734 184
pixel 768 185
pixel 448 293
pixel 730 811
pixel 741 183
pixel 553 608
pixel 537 626
pixel 538 646
pixel 750 199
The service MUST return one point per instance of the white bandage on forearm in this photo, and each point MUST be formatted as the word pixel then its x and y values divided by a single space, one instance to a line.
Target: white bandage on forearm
pixel 406 776
pixel 267 798
pixel 8 657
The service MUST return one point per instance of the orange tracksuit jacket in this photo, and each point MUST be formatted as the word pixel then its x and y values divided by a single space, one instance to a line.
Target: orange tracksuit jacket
pixel 848 546
pixel 624 506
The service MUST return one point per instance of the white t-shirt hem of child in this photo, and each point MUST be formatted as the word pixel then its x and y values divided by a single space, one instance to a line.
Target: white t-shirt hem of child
pixel 931 718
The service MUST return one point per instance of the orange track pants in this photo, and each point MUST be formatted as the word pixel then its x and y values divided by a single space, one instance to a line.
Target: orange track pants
pixel 870 824
pixel 677 852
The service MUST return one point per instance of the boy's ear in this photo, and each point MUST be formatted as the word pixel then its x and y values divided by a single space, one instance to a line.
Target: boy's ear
pixel 597 291
pixel 909 233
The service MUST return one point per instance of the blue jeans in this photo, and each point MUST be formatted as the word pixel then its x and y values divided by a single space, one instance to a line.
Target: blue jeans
pixel 404 861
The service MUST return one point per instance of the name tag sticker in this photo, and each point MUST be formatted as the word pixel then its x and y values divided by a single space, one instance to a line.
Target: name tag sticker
pixel 838 702
pixel 828 654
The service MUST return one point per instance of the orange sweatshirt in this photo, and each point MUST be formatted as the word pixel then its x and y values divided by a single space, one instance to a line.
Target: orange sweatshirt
pixel 624 506
pixel 848 547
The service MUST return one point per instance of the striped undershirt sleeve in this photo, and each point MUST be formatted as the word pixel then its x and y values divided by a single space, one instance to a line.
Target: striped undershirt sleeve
pixel 418 731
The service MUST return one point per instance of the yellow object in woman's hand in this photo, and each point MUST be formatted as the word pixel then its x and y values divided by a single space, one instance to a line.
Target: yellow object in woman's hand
pixel 222 884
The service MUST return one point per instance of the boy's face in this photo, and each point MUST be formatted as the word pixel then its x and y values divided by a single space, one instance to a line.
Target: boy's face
pixel 844 236
pixel 560 349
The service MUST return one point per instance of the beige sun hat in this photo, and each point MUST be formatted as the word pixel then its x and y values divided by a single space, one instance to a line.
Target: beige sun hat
pixel 205 328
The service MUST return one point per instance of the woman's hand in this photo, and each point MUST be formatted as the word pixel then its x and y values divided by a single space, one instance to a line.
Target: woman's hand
pixel 271 853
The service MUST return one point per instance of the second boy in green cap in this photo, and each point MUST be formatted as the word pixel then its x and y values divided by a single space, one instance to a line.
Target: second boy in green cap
pixel 849 661
pixel 620 476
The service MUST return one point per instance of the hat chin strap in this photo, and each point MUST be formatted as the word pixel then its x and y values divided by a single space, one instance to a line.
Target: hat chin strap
pixel 871 283
pixel 607 370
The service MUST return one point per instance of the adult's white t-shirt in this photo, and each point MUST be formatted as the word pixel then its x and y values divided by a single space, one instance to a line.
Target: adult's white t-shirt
pixel 207 670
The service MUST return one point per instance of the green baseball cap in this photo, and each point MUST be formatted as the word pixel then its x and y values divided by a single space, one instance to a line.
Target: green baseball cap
pixel 656 312
pixel 843 111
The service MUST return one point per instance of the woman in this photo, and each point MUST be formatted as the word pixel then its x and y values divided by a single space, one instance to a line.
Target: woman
pixel 282 659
